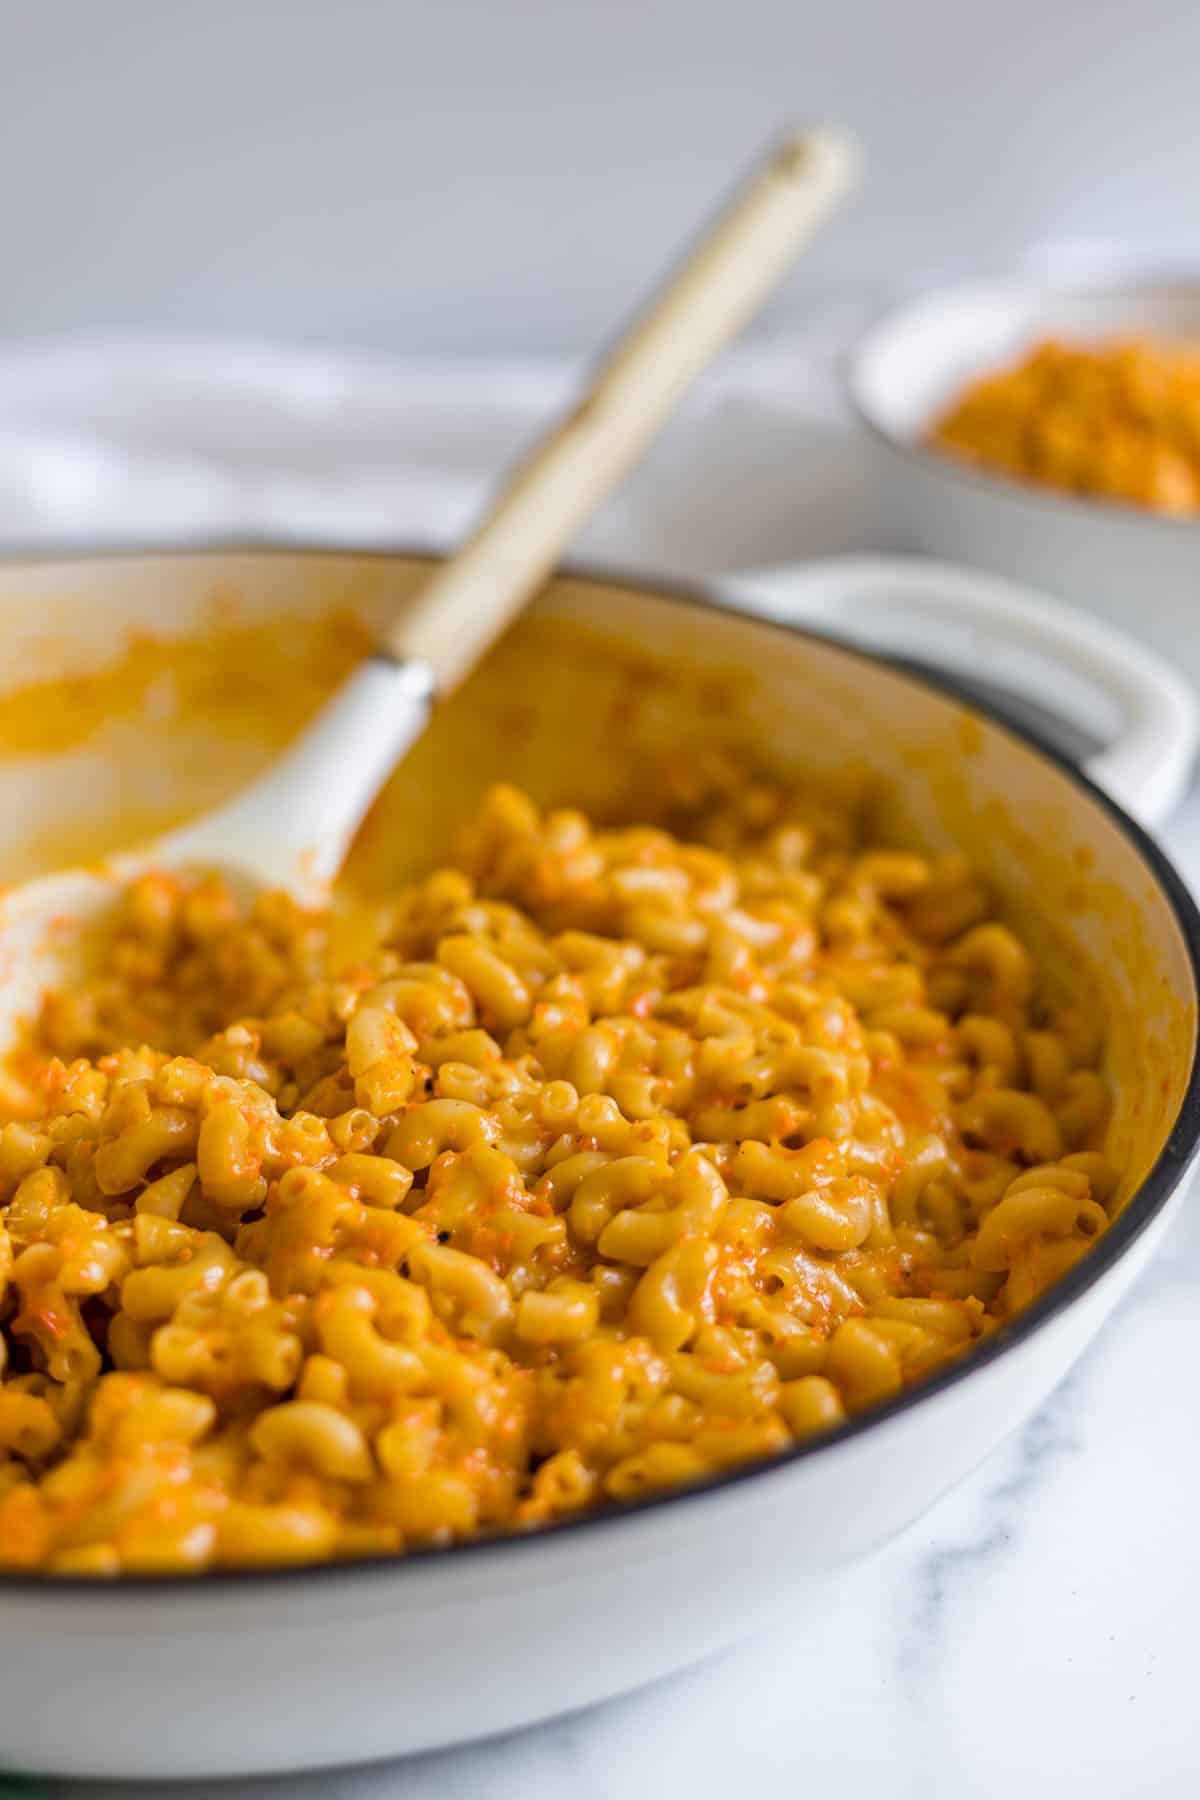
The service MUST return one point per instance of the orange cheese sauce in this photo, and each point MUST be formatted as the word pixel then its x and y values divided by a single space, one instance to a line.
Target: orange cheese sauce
pixel 570 1158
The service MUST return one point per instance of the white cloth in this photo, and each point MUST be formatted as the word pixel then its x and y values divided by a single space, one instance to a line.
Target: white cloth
pixel 144 441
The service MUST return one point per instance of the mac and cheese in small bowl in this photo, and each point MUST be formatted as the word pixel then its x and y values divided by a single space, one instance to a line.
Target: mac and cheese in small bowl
pixel 1117 420
pixel 730 1072
pixel 1047 431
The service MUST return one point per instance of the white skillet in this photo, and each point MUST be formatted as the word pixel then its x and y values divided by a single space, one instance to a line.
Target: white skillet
pixel 256 1671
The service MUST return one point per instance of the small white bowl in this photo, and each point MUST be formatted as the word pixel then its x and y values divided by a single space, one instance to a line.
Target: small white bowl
pixel 1140 570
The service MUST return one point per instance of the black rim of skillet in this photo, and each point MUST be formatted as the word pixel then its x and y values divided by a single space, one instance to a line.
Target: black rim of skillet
pixel 1139 1212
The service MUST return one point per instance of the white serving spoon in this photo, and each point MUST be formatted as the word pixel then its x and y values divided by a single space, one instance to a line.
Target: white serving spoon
pixel 292 828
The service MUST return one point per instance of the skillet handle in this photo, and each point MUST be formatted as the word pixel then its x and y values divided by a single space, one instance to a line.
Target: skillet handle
pixel 1137 718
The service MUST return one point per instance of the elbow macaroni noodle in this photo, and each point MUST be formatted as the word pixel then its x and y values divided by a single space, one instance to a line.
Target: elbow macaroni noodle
pixel 619 1159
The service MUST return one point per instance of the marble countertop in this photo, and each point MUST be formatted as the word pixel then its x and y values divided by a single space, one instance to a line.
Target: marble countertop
pixel 1034 1631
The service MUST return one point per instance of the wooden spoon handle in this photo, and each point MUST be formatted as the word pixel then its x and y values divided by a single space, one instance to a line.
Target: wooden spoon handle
pixel 717 288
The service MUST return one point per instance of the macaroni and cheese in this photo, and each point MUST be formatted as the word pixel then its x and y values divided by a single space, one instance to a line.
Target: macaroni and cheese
pixel 616 1158
pixel 1118 421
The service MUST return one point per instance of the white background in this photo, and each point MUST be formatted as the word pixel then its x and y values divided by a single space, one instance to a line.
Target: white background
pixel 507 173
